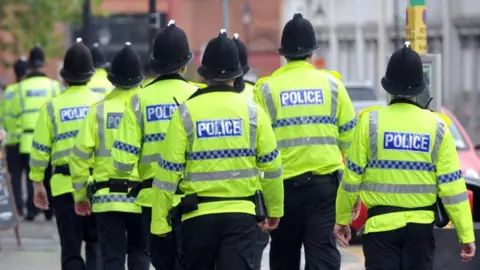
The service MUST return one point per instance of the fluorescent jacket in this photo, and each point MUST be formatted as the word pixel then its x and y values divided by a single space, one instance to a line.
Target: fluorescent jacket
pixel 100 83
pixel 394 162
pixel 10 121
pixel 55 132
pixel 142 130
pixel 312 116
pixel 218 154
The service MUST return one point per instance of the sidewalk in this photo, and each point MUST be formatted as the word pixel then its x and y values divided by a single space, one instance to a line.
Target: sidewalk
pixel 40 250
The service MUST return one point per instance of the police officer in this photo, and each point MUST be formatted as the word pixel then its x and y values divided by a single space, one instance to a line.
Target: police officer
pixel 313 119
pixel 240 82
pixel 399 167
pixel 55 131
pixel 32 92
pixel 144 124
pixel 246 88
pixel 99 82
pixel 9 122
pixel 217 150
pixel 119 219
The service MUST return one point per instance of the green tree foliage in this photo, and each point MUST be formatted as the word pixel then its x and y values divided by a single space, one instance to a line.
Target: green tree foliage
pixel 31 22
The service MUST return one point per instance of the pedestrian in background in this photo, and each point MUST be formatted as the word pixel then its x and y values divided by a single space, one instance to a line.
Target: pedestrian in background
pixel 55 132
pixel 33 91
pixel 313 119
pixel 119 219
pixel 10 123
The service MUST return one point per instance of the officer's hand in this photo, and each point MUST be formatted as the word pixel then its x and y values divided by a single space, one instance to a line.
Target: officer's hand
pixel 342 234
pixel 270 224
pixel 356 210
pixel 40 198
pixel 83 208
pixel 468 252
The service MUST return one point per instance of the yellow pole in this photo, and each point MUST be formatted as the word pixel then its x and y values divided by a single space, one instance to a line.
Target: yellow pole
pixel 416 26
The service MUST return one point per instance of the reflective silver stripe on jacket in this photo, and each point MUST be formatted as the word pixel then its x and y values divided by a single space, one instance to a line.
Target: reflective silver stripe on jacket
pixel 391 188
pixel 102 150
pixel 166 186
pixel 219 175
pixel 307 140
pixel 137 108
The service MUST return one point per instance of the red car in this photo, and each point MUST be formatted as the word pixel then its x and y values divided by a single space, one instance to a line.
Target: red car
pixel 469 160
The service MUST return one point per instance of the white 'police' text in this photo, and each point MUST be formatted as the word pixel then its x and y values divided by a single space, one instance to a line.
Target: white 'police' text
pixel 160 112
pixel 219 128
pixel 113 120
pixel 73 113
pixel 406 141
pixel 301 97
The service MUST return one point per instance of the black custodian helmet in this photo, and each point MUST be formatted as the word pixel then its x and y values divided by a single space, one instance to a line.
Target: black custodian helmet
pixel 98 57
pixel 298 38
pixel 36 58
pixel 20 67
pixel 171 51
pixel 220 60
pixel 242 53
pixel 126 69
pixel 77 64
pixel 404 75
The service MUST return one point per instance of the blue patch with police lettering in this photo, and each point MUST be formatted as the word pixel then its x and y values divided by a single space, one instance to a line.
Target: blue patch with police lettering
pixel 36 93
pixel 219 128
pixel 406 141
pixel 113 120
pixel 73 113
pixel 301 97
pixel 9 95
pixel 160 112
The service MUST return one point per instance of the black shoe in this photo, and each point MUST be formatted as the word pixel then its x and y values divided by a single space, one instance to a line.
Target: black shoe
pixel 30 217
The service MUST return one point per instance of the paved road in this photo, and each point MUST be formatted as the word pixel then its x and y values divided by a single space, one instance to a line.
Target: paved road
pixel 40 250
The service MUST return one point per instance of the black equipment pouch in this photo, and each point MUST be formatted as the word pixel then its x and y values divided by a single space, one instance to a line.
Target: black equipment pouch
pixel 441 217
pixel 65 170
pixel 116 185
pixel 90 191
pixel 133 193
pixel 260 208
pixel 188 204
pixel 338 177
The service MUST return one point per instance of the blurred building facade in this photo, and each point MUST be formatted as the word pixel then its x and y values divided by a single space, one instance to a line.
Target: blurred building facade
pixel 355 37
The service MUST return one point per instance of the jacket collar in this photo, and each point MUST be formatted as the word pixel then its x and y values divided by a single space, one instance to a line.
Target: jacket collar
pixel 214 88
pixel 399 100
pixel 292 65
pixel 35 74
pixel 174 76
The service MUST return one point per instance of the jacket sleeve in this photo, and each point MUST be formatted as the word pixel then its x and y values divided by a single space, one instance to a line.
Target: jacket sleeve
pixel 170 169
pixel 269 162
pixel 346 119
pixel 352 178
pixel 82 155
pixel 41 145
pixel 17 104
pixel 57 88
pixel 128 141
pixel 258 94
pixel 452 189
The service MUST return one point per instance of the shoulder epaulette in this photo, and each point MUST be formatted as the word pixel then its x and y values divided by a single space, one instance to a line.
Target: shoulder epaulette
pixel 261 80
pixel 446 119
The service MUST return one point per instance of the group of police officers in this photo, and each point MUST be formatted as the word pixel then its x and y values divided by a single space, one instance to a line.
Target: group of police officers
pixel 199 177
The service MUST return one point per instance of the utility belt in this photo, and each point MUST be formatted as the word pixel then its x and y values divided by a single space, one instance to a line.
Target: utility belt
pixel 147 183
pixel 27 131
pixel 65 170
pixel 441 217
pixel 308 178
pixel 190 203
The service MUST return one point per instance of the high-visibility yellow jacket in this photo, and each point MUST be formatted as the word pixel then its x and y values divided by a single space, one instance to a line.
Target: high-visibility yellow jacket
pixel 32 92
pixel 248 90
pixel 142 130
pixel 312 116
pixel 10 121
pixel 218 150
pixel 99 83
pixel 55 132
pixel 394 162
pixel 93 145
pixel 147 81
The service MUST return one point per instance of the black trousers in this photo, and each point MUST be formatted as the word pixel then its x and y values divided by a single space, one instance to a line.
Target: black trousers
pixel 164 251
pixel 15 168
pixel 262 241
pixel 122 234
pixel 309 220
pixel 31 209
pixel 72 230
pixel 408 248
pixel 219 242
